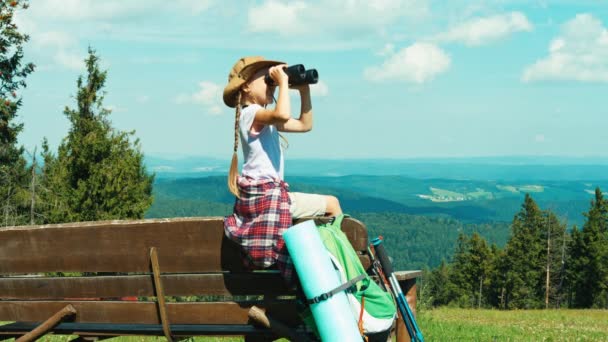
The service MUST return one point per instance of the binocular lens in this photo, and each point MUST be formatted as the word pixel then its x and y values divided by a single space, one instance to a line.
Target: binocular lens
pixel 312 76
pixel 297 74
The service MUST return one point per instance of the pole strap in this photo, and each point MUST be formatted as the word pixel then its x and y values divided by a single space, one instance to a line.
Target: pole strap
pixel 338 289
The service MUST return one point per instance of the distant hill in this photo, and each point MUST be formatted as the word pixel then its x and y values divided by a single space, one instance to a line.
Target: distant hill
pixel 420 218
pixel 466 200
pixel 483 168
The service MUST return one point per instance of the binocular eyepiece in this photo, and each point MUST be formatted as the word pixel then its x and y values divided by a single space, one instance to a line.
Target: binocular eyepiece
pixel 297 75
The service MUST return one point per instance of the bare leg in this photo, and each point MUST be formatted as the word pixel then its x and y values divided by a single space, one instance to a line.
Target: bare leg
pixel 333 206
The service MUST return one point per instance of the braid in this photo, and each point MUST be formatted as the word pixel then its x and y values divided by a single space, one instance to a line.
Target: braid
pixel 233 173
pixel 236 122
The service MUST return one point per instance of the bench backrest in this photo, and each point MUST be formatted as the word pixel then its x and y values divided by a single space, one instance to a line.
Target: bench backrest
pixel 195 259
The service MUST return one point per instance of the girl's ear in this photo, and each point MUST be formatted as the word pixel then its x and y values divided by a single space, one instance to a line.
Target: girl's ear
pixel 245 88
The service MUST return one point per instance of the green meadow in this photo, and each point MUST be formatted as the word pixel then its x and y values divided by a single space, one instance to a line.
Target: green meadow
pixel 450 324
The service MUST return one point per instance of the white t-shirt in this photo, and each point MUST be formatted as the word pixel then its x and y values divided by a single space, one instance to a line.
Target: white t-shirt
pixel 261 150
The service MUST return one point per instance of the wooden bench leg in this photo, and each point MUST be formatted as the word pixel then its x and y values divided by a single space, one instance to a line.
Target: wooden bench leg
pixel 48 324
pixel 160 294
pixel 409 289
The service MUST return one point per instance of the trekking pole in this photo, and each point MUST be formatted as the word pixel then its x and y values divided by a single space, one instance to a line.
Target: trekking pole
pixel 404 308
pixel 377 269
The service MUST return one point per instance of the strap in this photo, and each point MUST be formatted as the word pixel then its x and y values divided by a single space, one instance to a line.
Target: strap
pixel 338 289
pixel 360 325
pixel 337 220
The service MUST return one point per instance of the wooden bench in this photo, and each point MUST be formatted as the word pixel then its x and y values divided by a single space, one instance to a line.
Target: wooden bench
pixel 162 260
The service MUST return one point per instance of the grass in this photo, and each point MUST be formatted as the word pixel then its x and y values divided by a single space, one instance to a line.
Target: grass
pixel 66 338
pixel 447 324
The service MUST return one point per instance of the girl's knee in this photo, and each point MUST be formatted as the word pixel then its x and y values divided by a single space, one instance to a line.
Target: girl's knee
pixel 333 206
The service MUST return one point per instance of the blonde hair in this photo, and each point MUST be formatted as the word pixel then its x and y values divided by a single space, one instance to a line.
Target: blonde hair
pixel 234 172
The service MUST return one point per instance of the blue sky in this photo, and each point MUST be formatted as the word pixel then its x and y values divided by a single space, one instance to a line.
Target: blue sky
pixel 399 78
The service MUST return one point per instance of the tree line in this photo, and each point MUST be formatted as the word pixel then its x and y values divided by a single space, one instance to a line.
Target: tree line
pixel 97 172
pixel 543 265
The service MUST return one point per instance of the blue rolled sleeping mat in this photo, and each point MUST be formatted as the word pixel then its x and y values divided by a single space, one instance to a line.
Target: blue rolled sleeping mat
pixel 333 316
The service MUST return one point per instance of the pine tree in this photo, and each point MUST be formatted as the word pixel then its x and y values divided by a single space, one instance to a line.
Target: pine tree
pixel 481 266
pixel 98 172
pixel 497 273
pixel 460 270
pixel 13 172
pixel 524 254
pixel 439 285
pixel 555 237
pixel 589 257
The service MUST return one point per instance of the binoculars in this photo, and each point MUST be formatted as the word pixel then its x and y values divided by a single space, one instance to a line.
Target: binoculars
pixel 297 75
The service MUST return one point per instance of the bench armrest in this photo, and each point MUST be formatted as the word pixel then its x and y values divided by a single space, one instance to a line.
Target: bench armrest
pixel 405 275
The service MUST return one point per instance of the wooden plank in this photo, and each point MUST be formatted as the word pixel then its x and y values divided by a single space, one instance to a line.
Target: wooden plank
pixel 108 330
pixel 222 284
pixel 405 275
pixel 184 245
pixel 227 284
pixel 146 313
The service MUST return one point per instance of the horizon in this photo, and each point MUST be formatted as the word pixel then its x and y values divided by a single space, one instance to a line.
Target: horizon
pixel 405 79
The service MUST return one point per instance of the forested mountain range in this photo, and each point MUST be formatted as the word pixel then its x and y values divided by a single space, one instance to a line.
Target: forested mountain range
pixel 421 218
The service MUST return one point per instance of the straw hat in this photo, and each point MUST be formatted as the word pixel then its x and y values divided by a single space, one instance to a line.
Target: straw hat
pixel 242 70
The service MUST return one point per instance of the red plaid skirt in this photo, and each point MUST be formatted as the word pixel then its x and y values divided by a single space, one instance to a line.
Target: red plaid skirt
pixel 260 217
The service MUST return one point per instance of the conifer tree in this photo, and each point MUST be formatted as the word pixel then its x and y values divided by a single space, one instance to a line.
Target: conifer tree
pixel 481 266
pixel 498 270
pixel 589 257
pixel 470 269
pixel 555 237
pixel 13 172
pixel 98 172
pixel 460 272
pixel 440 285
pixel 524 255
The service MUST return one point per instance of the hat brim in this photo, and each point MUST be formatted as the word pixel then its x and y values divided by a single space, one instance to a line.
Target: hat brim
pixel 231 90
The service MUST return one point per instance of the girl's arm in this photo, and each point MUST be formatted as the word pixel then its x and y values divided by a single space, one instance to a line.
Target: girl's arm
pixel 304 123
pixel 281 113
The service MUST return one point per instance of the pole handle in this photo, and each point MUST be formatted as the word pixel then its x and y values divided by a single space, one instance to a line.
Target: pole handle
pixel 381 254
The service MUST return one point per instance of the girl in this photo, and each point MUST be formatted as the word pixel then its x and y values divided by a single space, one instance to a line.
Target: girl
pixel 264 207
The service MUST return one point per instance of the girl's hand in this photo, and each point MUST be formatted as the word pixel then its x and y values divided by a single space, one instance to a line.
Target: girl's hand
pixel 278 75
pixel 301 87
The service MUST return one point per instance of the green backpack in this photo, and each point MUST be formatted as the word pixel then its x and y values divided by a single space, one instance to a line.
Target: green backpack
pixel 378 310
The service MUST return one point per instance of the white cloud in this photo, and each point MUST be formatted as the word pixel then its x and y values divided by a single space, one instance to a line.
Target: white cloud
pixel 319 89
pixel 141 99
pixel 484 30
pixel 117 109
pixel 539 138
pixel 284 17
pixel 163 168
pixel 190 6
pixel 209 95
pixel 112 9
pixel 579 53
pixel 58 27
pixel 388 50
pixel 53 39
pixel 324 16
pixel 57 46
pixel 418 63
pixel 69 60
